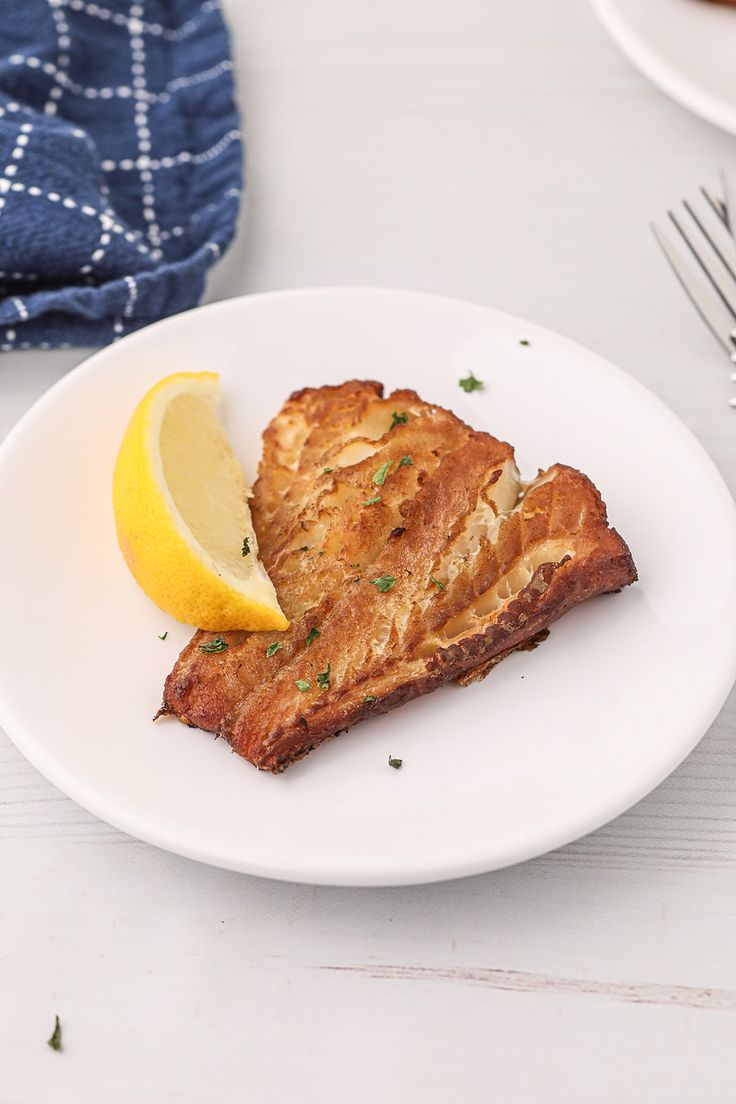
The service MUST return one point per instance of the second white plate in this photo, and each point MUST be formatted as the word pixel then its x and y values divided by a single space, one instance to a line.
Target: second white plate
pixel 551 745
pixel 685 47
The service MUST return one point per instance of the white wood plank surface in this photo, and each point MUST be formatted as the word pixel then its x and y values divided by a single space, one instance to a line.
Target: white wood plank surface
pixel 505 153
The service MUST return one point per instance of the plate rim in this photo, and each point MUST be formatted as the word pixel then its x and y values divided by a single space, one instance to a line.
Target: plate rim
pixel 681 88
pixel 369 872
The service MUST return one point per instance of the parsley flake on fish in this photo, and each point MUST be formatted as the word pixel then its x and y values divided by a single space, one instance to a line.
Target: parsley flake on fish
pixel 383 582
pixel 380 477
pixel 216 645
pixel 272 649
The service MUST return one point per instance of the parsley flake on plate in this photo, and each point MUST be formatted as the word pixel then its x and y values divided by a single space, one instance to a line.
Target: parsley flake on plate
pixel 395 763
pixel 470 383
pixel 272 649
pixel 524 341
pixel 164 635
pixel 55 1041
pixel 383 582
pixel 216 645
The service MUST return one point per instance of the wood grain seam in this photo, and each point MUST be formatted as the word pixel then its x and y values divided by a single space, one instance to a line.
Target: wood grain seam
pixel 520 981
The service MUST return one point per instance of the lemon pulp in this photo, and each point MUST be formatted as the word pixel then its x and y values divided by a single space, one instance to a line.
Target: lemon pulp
pixel 182 515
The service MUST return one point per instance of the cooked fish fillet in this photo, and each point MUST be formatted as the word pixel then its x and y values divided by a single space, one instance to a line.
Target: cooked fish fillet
pixel 454 566
pixel 314 533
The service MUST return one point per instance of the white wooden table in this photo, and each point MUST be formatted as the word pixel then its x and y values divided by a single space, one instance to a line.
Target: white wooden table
pixel 502 152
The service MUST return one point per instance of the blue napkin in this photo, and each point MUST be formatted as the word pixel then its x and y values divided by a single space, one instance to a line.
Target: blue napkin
pixel 120 164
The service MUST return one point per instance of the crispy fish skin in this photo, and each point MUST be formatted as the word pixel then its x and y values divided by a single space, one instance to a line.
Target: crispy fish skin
pixel 480 566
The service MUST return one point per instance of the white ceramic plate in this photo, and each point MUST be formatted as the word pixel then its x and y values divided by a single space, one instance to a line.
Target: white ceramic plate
pixel 551 745
pixel 686 47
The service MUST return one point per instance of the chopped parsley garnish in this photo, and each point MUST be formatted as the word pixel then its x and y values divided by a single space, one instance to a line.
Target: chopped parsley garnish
pixel 304 548
pixel 327 469
pixel 355 565
pixel 370 698
pixel 272 649
pixel 395 763
pixel 55 1041
pixel 437 583
pixel 323 679
pixel 312 636
pixel 216 645
pixel 164 635
pixel 380 477
pixel 524 341
pixel 383 582
pixel 246 546
pixel 398 419
pixel 404 462
pixel 372 501
pixel 303 685
pixel 470 383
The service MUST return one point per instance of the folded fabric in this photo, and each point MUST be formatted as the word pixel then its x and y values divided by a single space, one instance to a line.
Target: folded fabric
pixel 120 164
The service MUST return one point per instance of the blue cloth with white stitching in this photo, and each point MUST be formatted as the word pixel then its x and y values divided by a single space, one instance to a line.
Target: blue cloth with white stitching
pixel 120 164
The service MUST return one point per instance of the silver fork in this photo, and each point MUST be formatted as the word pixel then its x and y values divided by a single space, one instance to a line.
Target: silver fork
pixel 699 243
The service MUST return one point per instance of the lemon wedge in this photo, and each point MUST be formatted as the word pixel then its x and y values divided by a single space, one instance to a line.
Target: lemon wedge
pixel 182 515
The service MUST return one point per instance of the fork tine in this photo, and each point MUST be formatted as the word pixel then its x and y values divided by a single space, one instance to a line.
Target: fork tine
pixel 715 229
pixel 719 206
pixel 699 291
pixel 729 198
pixel 700 240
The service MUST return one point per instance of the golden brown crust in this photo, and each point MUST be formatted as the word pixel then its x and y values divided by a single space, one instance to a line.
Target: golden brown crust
pixel 321 512
pixel 480 566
